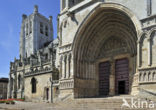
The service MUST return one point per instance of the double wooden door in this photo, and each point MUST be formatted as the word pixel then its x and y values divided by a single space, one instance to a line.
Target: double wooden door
pixel 121 77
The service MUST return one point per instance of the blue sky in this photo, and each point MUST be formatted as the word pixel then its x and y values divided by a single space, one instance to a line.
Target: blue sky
pixel 10 22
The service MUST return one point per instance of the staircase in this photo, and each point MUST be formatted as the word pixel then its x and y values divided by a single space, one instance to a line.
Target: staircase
pixel 105 103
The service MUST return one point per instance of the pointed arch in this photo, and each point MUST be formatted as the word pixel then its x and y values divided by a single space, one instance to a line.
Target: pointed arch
pixel 105 21
pixel 33 85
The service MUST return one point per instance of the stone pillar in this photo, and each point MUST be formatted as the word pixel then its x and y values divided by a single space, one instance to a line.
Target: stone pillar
pixel 71 67
pixel 67 67
pixel 86 69
pixel 82 69
pixel 60 5
pixel 60 75
pixel 112 78
pixel 63 68
pixel 139 54
pixel 149 52
pixel 67 4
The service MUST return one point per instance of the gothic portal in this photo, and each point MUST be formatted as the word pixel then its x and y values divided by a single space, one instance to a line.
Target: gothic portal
pixel 105 50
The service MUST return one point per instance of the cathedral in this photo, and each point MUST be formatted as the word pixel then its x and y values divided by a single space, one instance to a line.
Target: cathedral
pixel 103 48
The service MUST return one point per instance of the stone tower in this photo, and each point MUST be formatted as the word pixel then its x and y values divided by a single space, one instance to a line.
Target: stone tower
pixel 36 33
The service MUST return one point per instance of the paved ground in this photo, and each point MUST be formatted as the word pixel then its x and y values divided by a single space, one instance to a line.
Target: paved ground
pixel 28 106
pixel 110 103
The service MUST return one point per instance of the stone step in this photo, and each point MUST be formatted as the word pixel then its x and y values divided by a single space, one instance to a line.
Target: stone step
pixel 108 103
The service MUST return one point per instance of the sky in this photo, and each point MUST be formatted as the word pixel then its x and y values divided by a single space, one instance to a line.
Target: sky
pixel 10 22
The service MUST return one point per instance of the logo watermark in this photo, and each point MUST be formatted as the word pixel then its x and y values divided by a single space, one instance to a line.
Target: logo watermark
pixel 134 103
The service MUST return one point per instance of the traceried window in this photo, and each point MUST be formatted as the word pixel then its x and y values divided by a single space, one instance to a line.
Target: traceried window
pixel 33 84
pixel 46 30
pixel 30 26
pixel 41 27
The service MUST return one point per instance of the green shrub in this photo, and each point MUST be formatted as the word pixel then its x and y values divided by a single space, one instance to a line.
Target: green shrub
pixel 12 102
pixel 7 102
pixel 2 101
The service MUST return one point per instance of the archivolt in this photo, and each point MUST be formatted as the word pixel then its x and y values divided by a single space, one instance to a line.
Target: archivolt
pixel 105 21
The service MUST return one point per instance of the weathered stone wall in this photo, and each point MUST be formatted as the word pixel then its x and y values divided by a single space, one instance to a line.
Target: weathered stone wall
pixel 43 82
pixel 134 6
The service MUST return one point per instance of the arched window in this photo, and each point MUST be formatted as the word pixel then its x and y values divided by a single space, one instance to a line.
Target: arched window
pixel 11 83
pixel 144 51
pixel 30 27
pixel 46 30
pixel 19 81
pixel 27 29
pixel 41 27
pixel 33 84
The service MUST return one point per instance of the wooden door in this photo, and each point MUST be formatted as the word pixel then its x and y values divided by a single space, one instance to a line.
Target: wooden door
pixel 122 75
pixel 104 72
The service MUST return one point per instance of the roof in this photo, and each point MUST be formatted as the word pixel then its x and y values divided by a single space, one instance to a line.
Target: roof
pixel 4 80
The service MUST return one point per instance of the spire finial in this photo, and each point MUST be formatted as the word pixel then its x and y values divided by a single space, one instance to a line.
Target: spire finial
pixel 50 18
pixel 36 9
pixel 24 16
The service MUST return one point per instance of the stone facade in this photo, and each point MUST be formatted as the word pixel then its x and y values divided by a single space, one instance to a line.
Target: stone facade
pixel 3 88
pixel 97 31
pixel 34 75
pixel 105 47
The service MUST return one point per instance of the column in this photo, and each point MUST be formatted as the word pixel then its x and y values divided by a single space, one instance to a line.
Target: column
pixel 71 67
pixel 60 69
pixel 67 4
pixel 149 52
pixel 63 70
pixel 149 7
pixel 61 5
pixel 139 54
pixel 67 67
pixel 83 68
pixel 112 78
